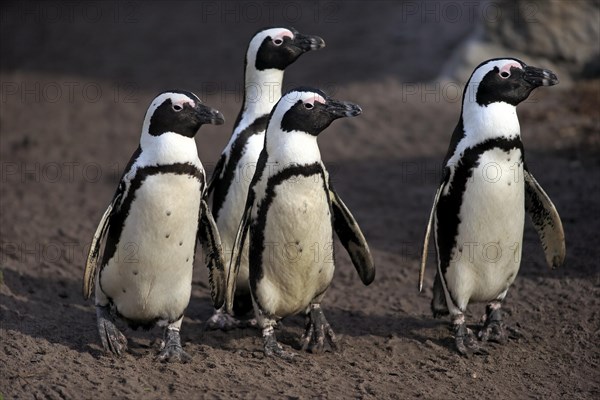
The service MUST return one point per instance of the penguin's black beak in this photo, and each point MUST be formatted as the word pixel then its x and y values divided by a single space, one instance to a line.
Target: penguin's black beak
pixel 307 42
pixel 209 115
pixel 340 109
pixel 539 77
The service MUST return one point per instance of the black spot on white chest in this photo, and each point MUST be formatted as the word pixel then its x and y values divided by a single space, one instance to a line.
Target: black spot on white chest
pixel 167 200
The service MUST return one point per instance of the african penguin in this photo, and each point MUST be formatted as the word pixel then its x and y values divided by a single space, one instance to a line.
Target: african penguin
pixel 152 226
pixel 479 208
pixel 270 51
pixel 289 219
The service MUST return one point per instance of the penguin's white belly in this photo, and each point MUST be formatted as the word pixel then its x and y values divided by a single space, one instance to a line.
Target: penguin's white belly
pixel 297 260
pixel 487 255
pixel 150 275
pixel 229 217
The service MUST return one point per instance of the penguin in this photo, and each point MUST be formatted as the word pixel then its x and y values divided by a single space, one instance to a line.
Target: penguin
pixel 288 222
pixel 479 208
pixel 268 54
pixel 152 226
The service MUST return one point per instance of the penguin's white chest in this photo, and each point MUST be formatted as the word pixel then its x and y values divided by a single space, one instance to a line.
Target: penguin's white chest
pixel 487 255
pixel 232 209
pixel 297 260
pixel 150 275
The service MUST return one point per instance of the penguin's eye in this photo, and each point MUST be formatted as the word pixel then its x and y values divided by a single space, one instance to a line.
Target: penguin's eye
pixel 278 42
pixel 504 74
pixel 177 107
pixel 308 106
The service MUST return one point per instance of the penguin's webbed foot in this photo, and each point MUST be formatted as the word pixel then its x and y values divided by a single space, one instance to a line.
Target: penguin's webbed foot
pixel 316 332
pixel 220 320
pixel 172 351
pixel 112 339
pixel 272 348
pixel 466 341
pixel 493 329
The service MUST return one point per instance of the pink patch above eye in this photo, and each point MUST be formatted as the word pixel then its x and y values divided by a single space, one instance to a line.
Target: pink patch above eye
pixel 182 101
pixel 282 34
pixel 507 67
pixel 315 98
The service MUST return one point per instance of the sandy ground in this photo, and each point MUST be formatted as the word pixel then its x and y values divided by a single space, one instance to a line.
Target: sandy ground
pixel 76 81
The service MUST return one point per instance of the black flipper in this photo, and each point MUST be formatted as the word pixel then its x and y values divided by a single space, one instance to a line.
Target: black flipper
pixel 213 250
pixel 546 220
pixel 352 238
pixel 91 263
pixel 427 234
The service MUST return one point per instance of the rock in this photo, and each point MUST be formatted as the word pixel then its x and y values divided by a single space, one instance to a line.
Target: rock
pixel 559 35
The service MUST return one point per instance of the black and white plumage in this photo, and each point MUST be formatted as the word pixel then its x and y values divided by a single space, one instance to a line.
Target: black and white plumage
pixel 152 226
pixel 289 219
pixel 269 52
pixel 479 209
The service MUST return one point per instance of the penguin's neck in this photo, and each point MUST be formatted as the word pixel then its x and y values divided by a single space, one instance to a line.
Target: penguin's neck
pixel 292 148
pixel 497 121
pixel 168 148
pixel 494 121
pixel 262 91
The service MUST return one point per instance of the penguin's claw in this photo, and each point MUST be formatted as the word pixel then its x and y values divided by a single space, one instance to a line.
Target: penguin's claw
pixel 272 348
pixel 466 341
pixel 493 332
pixel 275 349
pixel 220 320
pixel 493 329
pixel 112 339
pixel 172 351
pixel 316 331
pixel 513 333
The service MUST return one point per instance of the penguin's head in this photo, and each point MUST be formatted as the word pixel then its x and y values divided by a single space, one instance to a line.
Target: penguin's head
pixel 276 48
pixel 309 111
pixel 506 80
pixel 179 112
